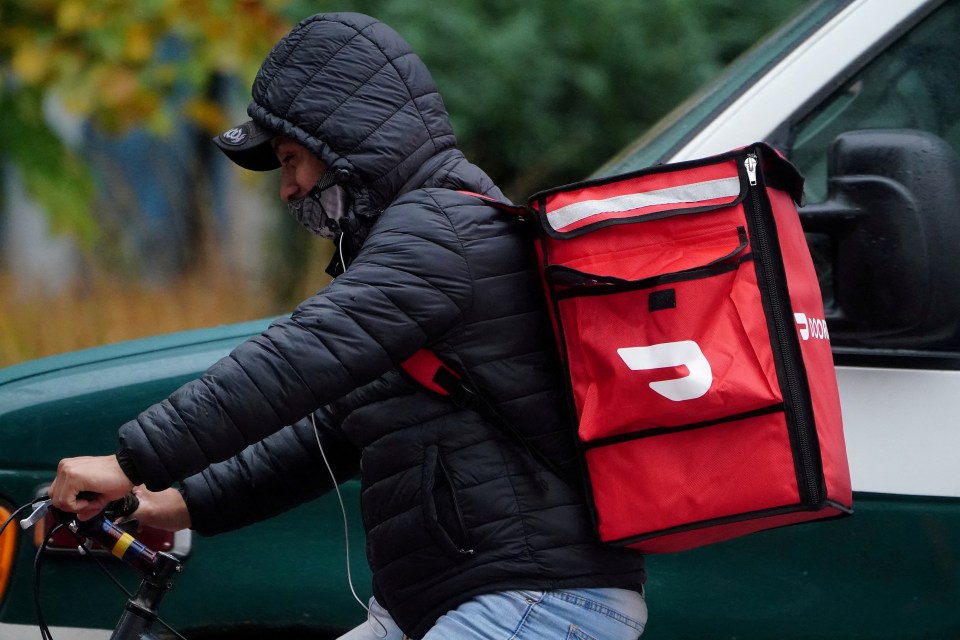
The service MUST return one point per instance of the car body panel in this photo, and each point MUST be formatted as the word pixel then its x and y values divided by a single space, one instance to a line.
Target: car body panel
pixel 889 571
pixel 901 429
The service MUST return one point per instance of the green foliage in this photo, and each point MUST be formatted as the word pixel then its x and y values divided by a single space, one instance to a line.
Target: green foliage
pixel 51 172
pixel 543 92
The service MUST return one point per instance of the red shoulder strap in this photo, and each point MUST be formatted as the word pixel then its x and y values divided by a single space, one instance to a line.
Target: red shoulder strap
pixel 493 202
pixel 431 373
pixel 427 369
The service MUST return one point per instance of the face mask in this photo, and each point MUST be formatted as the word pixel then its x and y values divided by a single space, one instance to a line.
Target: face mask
pixel 322 208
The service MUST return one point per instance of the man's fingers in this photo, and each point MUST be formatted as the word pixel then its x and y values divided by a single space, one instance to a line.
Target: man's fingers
pixel 62 494
pixel 85 485
pixel 88 505
pixel 90 509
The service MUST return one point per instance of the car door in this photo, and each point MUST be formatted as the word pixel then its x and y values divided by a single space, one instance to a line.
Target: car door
pixel 895 309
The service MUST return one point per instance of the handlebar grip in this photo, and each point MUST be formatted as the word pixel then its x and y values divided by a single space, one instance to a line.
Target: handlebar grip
pixel 104 532
pixel 118 542
pixel 116 509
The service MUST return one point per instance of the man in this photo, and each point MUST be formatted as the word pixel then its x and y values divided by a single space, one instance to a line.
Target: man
pixel 468 534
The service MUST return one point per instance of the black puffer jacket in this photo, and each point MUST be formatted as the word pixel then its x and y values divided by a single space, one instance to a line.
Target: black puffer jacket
pixel 452 506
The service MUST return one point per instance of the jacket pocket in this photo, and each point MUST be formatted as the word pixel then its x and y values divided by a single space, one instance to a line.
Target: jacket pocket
pixel 442 514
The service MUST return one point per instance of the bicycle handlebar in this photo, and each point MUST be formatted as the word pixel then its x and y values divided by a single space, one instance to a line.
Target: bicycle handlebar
pixel 104 532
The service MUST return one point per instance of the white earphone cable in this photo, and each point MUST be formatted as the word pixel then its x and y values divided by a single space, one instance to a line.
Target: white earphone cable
pixel 346 531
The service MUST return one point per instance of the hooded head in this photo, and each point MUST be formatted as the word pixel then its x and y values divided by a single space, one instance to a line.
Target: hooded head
pixel 350 90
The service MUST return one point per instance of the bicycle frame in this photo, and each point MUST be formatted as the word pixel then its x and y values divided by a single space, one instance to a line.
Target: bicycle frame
pixel 141 610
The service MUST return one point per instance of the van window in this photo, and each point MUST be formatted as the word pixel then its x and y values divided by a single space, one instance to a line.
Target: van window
pixel 912 84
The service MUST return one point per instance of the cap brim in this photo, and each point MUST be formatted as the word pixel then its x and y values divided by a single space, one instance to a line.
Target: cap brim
pixel 248 145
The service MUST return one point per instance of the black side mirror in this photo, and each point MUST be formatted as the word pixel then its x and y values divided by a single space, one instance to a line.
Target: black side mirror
pixel 892 217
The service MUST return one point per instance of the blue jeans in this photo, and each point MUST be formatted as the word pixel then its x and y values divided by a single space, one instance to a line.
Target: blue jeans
pixel 574 614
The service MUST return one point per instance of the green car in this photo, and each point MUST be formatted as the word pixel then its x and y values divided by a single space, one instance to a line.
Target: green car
pixel 884 229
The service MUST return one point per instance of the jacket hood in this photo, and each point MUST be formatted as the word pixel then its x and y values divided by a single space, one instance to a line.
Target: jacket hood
pixel 351 90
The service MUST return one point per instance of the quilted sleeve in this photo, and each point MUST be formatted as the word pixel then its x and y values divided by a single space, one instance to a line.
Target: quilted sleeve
pixel 409 284
pixel 269 477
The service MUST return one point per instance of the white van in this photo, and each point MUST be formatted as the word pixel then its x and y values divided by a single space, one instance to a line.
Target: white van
pixel 864 98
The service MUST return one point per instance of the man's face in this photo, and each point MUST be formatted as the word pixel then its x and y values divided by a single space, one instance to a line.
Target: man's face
pixel 300 168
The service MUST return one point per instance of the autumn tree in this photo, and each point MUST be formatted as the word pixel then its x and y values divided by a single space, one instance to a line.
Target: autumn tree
pixel 115 64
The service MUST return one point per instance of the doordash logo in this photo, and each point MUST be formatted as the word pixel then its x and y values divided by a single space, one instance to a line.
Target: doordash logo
pixel 815 328
pixel 686 353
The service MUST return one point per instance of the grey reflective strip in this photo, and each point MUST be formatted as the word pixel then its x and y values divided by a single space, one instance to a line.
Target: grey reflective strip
pixel 684 194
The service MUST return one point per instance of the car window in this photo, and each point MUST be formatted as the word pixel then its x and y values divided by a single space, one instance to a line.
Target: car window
pixel 913 84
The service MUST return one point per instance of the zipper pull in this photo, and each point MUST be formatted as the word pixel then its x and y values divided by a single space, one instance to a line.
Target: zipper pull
pixel 751 165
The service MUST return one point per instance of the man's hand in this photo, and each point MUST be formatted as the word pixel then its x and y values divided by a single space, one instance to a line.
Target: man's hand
pixel 163 510
pixel 100 475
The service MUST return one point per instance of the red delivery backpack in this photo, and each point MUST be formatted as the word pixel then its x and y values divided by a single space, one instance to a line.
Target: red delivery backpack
pixel 691 328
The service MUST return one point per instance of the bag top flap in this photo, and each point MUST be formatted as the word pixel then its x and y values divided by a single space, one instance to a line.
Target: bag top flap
pixel 664 190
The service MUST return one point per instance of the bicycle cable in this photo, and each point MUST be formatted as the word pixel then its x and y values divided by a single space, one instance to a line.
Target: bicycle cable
pixel 44 631
pixel 41 619
pixel 16 513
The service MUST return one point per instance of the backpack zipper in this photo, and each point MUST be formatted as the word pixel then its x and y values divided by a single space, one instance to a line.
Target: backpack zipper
pixel 804 423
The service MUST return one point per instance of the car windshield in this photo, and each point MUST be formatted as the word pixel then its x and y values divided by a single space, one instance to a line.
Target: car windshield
pixel 664 138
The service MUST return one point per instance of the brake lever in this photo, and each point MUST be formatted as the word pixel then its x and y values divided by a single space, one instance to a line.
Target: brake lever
pixel 117 509
pixel 39 512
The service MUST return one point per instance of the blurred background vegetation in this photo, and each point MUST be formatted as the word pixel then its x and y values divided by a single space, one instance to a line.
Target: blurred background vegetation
pixel 119 220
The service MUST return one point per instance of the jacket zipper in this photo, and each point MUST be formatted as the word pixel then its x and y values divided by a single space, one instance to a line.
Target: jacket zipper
pixel 804 423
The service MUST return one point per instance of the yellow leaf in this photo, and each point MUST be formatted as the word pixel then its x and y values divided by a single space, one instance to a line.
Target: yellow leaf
pixel 71 16
pixel 30 63
pixel 117 86
pixel 207 113
pixel 138 45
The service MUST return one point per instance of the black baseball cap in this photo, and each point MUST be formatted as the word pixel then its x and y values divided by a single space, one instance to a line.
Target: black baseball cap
pixel 249 146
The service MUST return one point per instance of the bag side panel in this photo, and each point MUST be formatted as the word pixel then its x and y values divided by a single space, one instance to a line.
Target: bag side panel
pixel 807 305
